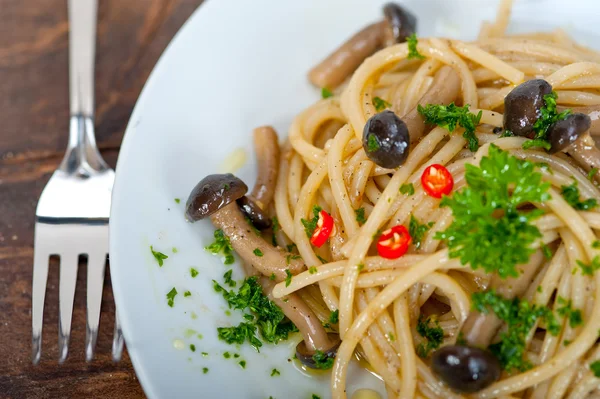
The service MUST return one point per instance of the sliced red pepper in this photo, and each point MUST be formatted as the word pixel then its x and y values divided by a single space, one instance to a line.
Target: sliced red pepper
pixel 437 181
pixel 325 228
pixel 394 242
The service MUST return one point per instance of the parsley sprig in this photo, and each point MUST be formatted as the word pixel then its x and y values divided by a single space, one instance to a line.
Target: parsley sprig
pixel 520 317
pixel 433 335
pixel 417 230
pixel 413 52
pixel 548 116
pixel 311 224
pixel 450 116
pixel 489 231
pixel 266 318
pixel 159 256
pixel 571 194
pixel 221 245
pixel 360 215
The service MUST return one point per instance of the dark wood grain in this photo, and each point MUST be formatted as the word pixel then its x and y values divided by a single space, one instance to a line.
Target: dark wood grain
pixel 33 133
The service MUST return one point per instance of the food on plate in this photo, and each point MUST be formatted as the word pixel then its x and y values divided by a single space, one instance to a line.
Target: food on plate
pixel 434 215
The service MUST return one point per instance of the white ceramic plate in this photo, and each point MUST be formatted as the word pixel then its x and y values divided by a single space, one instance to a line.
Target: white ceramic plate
pixel 236 65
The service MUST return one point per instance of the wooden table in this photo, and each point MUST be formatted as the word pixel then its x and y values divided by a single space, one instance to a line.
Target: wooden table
pixel 34 120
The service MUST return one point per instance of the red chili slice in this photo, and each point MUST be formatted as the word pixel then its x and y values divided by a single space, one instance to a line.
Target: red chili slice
pixel 325 228
pixel 394 242
pixel 437 181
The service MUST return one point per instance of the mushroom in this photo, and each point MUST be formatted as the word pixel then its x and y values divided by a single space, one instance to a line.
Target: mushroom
pixel 593 111
pixel 266 147
pixel 395 28
pixel 215 196
pixel 571 136
pixel 522 106
pixel 315 338
pixel 469 368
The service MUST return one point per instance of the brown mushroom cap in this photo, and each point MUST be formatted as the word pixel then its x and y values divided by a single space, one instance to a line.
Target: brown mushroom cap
pixel 306 356
pixel 213 193
pixel 401 22
pixel 257 216
pixel 567 131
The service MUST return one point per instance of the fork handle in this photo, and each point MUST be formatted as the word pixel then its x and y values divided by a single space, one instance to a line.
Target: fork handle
pixel 82 155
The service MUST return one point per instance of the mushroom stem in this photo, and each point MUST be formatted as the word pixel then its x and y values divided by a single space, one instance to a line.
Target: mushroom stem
pixel 246 243
pixel 480 328
pixel 334 69
pixel 587 155
pixel 444 90
pixel 266 146
pixel 295 309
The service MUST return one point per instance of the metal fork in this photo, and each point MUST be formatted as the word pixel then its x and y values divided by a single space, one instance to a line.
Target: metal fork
pixel 73 210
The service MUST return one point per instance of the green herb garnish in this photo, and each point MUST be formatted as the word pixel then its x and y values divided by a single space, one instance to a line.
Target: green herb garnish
pixel 193 272
pixel 572 196
pixel 520 317
pixel 322 360
pixel 507 133
pixel 372 143
pixel 311 225
pixel 257 252
pixel 417 230
pixel 288 277
pixel 334 316
pixel 588 270
pixel 360 267
pixel 413 52
pixel 360 215
pixel 312 270
pixel 322 259
pixel 407 189
pixel 546 251
pixel 434 335
pixel 171 297
pixel 227 278
pixel 548 116
pixel 204 370
pixel 275 372
pixel 391 336
pixel 326 93
pixel 177 200
pixel 221 245
pixel 566 310
pixel 450 116
pixel 272 277
pixel 595 367
pixel 291 247
pixel 187 294
pixel 380 104
pixel 596 244
pixel 242 364
pixel 159 256
pixel 193 347
pixel 592 173
pixel 489 231
pixel 267 318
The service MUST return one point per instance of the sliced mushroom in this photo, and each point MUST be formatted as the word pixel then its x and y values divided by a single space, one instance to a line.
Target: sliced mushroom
pixel 215 196
pixel 472 369
pixel 395 28
pixel 315 338
pixel 266 146
pixel 444 89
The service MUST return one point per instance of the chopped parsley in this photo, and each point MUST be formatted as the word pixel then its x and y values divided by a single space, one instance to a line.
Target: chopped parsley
pixel 520 317
pixel 257 252
pixel 204 354
pixel 548 116
pixel 595 367
pixel 450 116
pixel 391 336
pixel 417 230
pixel 592 173
pixel 193 347
pixel 204 370
pixel 222 245
pixel 315 396
pixel 566 310
pixel 177 200
pixel 507 133
pixel 372 143
pixel 187 293
pixel 380 104
pixel 311 225
pixel 546 251
pixel 588 270
pixel 275 372
pixel 433 335
pixel 288 277
pixel 228 280
pixel 567 342
pixel 171 297
pixel 596 244
pixel 323 261
pixel 326 93
pixel 272 277
pixel 226 355
pixel 407 189
pixel 360 216
pixel 193 272
pixel 312 270
pixel 360 267
pixel 242 364
pixel 322 360
pixel 159 256
pixel 572 196
pixel 175 250
pixel 291 247
pixel 290 257
pixel 334 316
pixel 489 231
pixel 413 52
pixel 266 318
